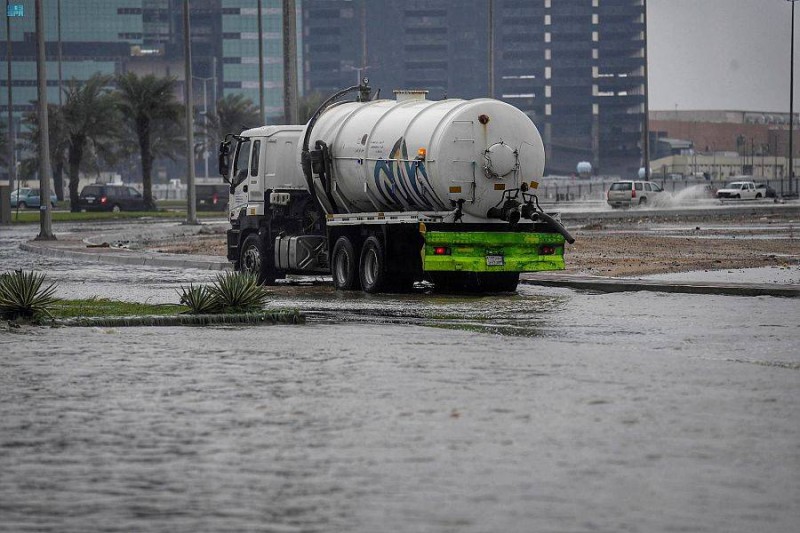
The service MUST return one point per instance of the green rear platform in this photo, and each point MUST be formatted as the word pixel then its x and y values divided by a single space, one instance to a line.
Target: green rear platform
pixel 472 251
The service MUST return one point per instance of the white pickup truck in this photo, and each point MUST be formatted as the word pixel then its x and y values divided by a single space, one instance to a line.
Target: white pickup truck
pixel 740 190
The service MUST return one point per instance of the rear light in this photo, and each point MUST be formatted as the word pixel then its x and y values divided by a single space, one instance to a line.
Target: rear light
pixel 103 199
pixel 633 193
pixel 214 199
pixel 547 250
pixel 441 250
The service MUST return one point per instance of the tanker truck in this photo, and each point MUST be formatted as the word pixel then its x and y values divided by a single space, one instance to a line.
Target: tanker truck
pixel 381 193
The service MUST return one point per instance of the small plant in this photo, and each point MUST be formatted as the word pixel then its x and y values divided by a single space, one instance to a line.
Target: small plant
pixel 232 292
pixel 22 296
pixel 199 299
pixel 238 293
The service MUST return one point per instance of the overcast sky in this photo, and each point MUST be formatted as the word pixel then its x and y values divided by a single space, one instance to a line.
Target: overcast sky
pixel 722 54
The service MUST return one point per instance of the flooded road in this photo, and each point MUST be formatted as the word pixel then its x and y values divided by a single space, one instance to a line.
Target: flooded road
pixel 549 410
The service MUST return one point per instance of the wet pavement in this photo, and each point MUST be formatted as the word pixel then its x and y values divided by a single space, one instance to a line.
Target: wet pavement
pixel 549 410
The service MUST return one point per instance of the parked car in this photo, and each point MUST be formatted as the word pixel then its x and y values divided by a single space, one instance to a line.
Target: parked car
pixel 740 190
pixel 766 190
pixel 29 197
pixel 628 193
pixel 212 197
pixel 114 198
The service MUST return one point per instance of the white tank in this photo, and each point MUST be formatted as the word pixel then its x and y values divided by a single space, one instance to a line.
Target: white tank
pixel 413 154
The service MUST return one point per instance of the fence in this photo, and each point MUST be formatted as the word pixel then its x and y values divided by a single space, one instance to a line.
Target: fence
pixel 595 189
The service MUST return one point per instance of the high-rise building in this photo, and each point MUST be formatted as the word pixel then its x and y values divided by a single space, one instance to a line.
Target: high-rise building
pixel 146 37
pixel 576 67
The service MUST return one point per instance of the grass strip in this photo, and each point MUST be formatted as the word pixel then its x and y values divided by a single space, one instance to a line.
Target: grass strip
pixel 102 307
pixel 101 312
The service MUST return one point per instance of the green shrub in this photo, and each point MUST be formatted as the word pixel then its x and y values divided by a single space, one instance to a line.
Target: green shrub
pixel 22 296
pixel 199 300
pixel 232 292
pixel 238 292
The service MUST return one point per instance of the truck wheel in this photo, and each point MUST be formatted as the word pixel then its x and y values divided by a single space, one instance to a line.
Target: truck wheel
pixel 256 260
pixel 343 265
pixel 372 267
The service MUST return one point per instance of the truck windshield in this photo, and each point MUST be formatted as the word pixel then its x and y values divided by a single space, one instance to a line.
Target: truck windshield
pixel 240 165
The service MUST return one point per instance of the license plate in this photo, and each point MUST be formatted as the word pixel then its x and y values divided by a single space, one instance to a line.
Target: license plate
pixel 495 260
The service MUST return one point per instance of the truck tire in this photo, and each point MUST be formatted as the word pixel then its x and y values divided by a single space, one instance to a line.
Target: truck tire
pixel 256 260
pixel 372 266
pixel 344 267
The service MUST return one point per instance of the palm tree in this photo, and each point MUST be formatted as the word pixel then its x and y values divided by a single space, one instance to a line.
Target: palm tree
pixel 233 114
pixel 308 105
pixel 59 144
pixel 92 123
pixel 149 106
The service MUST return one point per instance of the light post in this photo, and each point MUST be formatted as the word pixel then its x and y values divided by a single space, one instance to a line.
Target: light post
pixel 358 72
pixel 205 120
pixel 191 207
pixel 5 189
pixel 261 104
pixel 45 210
pixel 791 105
pixel 646 140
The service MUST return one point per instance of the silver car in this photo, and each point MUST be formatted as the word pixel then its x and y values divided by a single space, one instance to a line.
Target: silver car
pixel 628 193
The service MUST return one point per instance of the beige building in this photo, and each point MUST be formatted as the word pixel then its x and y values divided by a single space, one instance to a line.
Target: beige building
pixel 721 144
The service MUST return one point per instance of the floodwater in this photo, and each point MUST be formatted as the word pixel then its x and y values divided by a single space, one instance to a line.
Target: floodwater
pixel 549 410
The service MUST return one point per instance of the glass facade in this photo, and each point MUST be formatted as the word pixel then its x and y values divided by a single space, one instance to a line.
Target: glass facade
pixel 574 66
pixel 240 52
pixel 96 36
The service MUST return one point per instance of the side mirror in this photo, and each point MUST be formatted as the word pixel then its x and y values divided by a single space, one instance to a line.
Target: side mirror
pixel 224 159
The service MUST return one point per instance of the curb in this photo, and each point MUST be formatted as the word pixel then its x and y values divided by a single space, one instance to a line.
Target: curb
pixel 124 257
pixel 632 285
pixel 267 318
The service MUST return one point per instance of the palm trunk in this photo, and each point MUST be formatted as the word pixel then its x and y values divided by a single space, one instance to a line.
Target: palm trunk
pixel 74 156
pixel 58 179
pixel 147 166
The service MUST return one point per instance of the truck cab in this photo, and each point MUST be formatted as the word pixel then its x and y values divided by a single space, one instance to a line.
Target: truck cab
pixel 269 206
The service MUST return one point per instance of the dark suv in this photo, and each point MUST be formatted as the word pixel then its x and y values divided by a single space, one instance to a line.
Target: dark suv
pixel 110 198
pixel 212 197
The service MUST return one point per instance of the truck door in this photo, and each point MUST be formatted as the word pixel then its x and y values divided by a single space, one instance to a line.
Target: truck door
pixel 239 175
pixel 255 183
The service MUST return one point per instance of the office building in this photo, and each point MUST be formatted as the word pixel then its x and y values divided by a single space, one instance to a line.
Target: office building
pixel 576 67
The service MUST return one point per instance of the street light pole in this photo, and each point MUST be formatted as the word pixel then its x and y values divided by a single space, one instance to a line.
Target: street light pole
pixel 289 62
pixel 45 211
pixel 791 105
pixel 191 213
pixel 261 104
pixel 646 140
pixel 205 120
pixel 490 40
pixel 12 164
